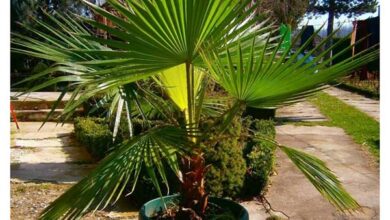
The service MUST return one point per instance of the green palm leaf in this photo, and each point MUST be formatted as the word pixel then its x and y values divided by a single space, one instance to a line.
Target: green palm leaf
pixel 263 79
pixel 150 36
pixel 322 179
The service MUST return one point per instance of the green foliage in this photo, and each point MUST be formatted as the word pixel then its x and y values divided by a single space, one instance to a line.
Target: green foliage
pixel 107 182
pixel 315 170
pixel 260 157
pixel 240 166
pixel 265 77
pixel 94 134
pixel 24 12
pixel 227 166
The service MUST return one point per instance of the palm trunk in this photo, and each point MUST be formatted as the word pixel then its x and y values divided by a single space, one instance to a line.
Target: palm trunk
pixel 194 197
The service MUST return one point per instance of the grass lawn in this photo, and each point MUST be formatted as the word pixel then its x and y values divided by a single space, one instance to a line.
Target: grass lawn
pixel 361 127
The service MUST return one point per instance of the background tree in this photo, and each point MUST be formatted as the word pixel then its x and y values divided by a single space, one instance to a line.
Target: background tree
pixel 289 12
pixel 336 8
pixel 23 13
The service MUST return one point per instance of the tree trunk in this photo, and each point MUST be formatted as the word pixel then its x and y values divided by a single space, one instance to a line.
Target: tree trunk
pixel 331 15
pixel 194 196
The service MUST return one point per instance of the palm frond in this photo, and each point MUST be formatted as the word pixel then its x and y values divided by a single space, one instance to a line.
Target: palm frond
pixel 263 79
pixel 150 37
pixel 322 179
pixel 107 182
pixel 173 81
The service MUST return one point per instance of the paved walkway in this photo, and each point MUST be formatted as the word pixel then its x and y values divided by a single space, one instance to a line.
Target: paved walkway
pixel 301 111
pixel 52 154
pixel 369 106
pixel 41 96
pixel 293 194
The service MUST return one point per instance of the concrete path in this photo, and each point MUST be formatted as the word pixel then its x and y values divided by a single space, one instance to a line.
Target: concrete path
pixel 51 154
pixel 41 96
pixel 44 164
pixel 295 196
pixel 369 106
pixel 301 111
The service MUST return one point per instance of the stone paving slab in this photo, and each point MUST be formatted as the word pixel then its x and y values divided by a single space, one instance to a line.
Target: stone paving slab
pixel 50 172
pixel 40 135
pixel 49 127
pixel 301 111
pixel 369 106
pixel 293 194
pixel 41 96
pixel 64 141
pixel 51 155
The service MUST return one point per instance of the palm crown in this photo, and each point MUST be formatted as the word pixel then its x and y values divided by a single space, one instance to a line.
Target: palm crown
pixel 181 45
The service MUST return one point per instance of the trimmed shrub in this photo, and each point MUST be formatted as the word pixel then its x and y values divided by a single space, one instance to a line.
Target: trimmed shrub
pixel 94 134
pixel 223 153
pixel 259 156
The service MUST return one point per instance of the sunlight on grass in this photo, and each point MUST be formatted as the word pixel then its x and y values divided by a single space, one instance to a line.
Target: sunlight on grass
pixel 361 127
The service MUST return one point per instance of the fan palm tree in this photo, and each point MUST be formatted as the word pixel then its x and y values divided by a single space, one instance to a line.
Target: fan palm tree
pixel 181 45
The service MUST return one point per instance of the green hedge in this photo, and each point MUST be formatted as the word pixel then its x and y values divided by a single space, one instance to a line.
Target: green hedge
pixel 94 134
pixel 259 156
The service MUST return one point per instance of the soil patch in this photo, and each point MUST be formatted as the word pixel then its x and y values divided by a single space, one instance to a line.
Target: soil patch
pixel 29 199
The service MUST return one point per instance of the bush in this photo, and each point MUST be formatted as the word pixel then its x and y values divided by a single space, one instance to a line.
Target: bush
pixel 226 174
pixel 236 168
pixel 94 134
pixel 259 156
